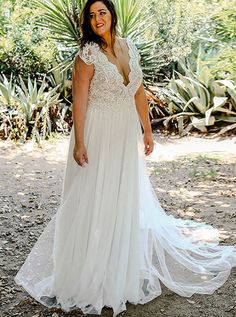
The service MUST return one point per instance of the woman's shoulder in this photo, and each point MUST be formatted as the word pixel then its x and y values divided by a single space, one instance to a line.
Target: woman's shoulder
pixel 90 44
pixel 89 47
pixel 129 41
pixel 87 52
pixel 132 45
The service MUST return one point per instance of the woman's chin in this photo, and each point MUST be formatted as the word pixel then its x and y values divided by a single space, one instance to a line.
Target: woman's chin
pixel 101 32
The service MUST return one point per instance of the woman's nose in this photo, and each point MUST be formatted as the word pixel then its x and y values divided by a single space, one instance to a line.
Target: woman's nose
pixel 97 18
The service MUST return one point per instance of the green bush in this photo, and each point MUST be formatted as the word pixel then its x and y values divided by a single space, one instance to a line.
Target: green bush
pixel 219 40
pixel 24 48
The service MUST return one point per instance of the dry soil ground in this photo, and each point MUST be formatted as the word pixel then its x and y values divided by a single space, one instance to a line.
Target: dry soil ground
pixel 193 177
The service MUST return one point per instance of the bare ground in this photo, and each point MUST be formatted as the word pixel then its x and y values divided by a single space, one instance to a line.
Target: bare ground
pixel 194 178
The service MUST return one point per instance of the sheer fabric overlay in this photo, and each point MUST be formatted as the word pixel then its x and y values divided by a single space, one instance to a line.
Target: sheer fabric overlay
pixel 111 241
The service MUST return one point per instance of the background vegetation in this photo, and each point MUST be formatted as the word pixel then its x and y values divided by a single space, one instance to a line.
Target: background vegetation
pixel 188 55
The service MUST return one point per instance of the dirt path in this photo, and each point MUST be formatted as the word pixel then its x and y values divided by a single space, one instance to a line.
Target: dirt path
pixel 194 178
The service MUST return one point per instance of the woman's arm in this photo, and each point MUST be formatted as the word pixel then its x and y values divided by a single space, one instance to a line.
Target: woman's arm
pixel 81 78
pixel 143 112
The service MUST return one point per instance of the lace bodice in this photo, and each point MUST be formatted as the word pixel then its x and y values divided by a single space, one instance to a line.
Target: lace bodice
pixel 107 90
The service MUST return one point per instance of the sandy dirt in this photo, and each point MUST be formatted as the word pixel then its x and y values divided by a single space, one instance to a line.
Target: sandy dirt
pixel 194 178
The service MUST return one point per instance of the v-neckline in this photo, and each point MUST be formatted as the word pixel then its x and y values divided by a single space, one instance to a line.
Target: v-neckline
pixel 115 66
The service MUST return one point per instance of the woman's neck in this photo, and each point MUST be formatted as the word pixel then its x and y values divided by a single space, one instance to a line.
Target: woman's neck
pixel 108 39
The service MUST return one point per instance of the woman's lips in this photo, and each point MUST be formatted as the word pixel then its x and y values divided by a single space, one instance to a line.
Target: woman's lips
pixel 99 25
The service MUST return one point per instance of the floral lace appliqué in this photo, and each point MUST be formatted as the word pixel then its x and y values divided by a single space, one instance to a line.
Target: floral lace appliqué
pixel 107 91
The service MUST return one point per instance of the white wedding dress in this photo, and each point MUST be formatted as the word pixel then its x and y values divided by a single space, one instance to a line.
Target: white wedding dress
pixel 110 241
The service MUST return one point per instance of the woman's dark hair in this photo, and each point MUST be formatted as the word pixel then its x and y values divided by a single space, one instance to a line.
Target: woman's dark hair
pixel 87 34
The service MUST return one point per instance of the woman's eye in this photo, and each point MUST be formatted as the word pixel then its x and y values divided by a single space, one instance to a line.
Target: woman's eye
pixel 102 13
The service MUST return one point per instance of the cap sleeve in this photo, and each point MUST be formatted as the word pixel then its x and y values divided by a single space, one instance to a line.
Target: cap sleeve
pixel 88 53
pixel 133 48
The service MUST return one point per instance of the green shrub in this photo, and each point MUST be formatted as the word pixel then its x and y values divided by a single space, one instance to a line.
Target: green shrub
pixel 24 48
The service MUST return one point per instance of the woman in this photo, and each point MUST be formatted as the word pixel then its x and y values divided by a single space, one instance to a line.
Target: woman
pixel 110 241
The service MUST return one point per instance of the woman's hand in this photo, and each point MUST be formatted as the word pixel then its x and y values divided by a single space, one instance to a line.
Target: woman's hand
pixel 80 155
pixel 148 143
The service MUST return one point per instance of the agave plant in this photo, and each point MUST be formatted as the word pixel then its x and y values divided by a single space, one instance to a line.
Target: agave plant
pixel 35 104
pixel 7 90
pixel 61 17
pixel 197 100
pixel 34 111
pixel 57 78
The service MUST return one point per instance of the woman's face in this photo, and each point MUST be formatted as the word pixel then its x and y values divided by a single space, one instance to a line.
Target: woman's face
pixel 100 18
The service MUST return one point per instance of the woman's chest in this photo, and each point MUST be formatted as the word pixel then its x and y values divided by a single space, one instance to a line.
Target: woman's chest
pixel 122 64
pixel 108 76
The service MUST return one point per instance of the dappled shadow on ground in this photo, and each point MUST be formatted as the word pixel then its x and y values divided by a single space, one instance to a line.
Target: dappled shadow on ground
pixel 199 187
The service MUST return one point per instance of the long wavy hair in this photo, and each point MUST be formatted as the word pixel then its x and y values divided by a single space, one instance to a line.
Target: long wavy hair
pixel 87 34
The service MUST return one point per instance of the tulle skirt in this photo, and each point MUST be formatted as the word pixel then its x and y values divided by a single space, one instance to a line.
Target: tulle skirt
pixel 110 241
